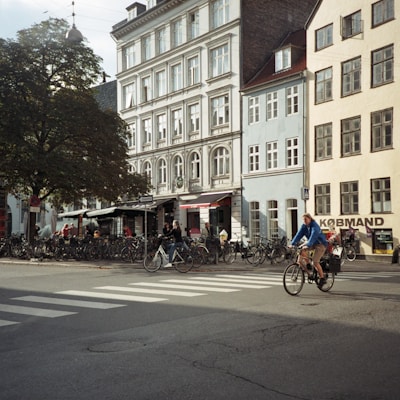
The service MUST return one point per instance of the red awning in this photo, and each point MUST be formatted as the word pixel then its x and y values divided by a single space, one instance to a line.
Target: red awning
pixel 206 200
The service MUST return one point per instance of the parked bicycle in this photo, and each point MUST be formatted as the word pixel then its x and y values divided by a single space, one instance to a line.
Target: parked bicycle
pixel 182 259
pixel 295 273
pixel 244 250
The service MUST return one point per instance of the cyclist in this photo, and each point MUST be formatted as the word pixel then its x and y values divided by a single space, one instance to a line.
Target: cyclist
pixel 178 241
pixel 315 240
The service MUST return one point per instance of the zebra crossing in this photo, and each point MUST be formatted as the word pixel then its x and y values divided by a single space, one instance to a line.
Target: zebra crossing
pixel 164 289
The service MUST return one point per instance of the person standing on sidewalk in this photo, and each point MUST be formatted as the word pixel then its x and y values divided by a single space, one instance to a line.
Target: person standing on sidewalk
pixel 316 241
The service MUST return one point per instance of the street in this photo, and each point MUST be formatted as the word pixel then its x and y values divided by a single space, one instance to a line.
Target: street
pixel 122 333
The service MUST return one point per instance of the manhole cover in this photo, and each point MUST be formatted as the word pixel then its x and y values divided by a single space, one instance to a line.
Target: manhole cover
pixel 111 347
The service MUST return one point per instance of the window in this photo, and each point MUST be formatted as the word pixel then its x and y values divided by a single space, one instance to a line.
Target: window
pixel 272 105
pixel 323 37
pixel 323 199
pixel 131 139
pixel 380 194
pixel 162 172
pixel 255 221
pixel 129 56
pixel 273 225
pixel 194 117
pixel 147 170
pixel 292 152
pixel 219 60
pixel 146 89
pixel 272 155
pixel 292 100
pixel 351 136
pixel 382 130
pixel 323 85
pixel 382 66
pixel 351 76
pixel 193 24
pixel 177 122
pixel 129 95
pixel 161 127
pixel 147 131
pixel 349 197
pixel 161 84
pixel 176 77
pixel 195 166
pixel 178 166
pixel 254 158
pixel 146 48
pixel 161 41
pixel 283 59
pixel 382 11
pixel 351 25
pixel 219 13
pixel 254 109
pixel 220 111
pixel 193 73
pixel 176 30
pixel 221 162
pixel 323 142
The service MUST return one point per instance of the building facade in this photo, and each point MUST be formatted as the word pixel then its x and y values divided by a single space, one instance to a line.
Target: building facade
pixel 274 113
pixel 353 98
pixel 181 65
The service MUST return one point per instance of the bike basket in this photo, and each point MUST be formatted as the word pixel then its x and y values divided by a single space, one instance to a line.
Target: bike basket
pixel 335 263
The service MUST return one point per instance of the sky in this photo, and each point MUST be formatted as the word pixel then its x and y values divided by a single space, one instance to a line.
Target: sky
pixel 93 18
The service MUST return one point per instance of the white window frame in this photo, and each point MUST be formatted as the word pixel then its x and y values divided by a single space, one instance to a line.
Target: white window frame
pixel 146 48
pixel 283 59
pixel 131 139
pixel 176 77
pixel 220 112
pixel 272 155
pixel 161 127
pixel 129 56
pixel 219 13
pixel 272 105
pixel 254 109
pixel 177 122
pixel 129 95
pixel 193 24
pixel 161 40
pixel 292 100
pixel 147 131
pixel 162 171
pixel 194 118
pixel 273 219
pixel 219 58
pixel 176 33
pixel 195 166
pixel 254 158
pixel 161 83
pixel 221 162
pixel 193 70
pixel 292 152
pixel 146 89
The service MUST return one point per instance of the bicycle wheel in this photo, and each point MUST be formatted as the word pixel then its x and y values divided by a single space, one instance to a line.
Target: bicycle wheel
pixel 200 255
pixel 293 279
pixel 277 255
pixel 351 253
pixel 253 256
pixel 152 262
pixel 330 280
pixel 183 261
pixel 126 255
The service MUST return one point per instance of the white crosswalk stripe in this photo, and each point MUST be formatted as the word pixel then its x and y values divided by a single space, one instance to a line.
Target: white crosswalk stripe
pixel 68 302
pixel 187 287
pixel 4 322
pixel 112 296
pixel 151 291
pixel 37 312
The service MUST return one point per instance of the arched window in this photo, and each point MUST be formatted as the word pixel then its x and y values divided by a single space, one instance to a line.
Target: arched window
pixel 221 162
pixel 147 170
pixel 194 163
pixel 162 172
pixel 178 167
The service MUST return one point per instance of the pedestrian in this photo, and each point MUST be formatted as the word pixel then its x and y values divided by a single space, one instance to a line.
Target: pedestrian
pixel 316 241
pixel 166 229
pixel 127 231
pixel 176 233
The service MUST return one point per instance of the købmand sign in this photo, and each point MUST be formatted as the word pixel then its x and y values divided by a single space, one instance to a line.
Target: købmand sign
pixel 353 222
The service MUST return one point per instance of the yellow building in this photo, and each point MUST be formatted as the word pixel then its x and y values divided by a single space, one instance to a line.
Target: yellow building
pixel 353 148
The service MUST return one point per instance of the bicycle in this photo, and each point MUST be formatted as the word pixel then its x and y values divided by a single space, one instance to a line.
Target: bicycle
pixel 182 259
pixel 246 251
pixel 295 273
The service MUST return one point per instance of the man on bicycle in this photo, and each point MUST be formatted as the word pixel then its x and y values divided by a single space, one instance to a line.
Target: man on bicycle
pixel 315 240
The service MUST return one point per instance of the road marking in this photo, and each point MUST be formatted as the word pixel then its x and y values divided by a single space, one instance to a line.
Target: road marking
pixel 4 322
pixel 199 281
pixel 101 295
pixel 246 279
pixel 188 287
pixel 37 312
pixel 151 291
pixel 69 302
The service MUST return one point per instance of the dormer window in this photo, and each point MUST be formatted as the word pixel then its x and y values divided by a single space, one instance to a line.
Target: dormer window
pixel 283 59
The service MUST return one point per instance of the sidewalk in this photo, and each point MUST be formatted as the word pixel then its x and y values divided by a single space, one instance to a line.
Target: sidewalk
pixel 354 266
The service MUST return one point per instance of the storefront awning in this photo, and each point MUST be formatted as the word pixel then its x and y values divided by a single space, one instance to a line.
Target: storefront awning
pixel 117 211
pixel 74 213
pixel 206 200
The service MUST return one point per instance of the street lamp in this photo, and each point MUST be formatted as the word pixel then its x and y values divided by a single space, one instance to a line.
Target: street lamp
pixel 74 35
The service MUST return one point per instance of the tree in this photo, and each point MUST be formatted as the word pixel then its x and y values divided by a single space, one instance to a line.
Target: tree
pixel 55 141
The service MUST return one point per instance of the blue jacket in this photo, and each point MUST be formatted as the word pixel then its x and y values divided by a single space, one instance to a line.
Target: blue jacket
pixel 313 233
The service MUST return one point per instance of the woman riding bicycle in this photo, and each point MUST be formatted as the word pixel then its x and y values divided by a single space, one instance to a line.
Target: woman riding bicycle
pixel 316 241
pixel 178 241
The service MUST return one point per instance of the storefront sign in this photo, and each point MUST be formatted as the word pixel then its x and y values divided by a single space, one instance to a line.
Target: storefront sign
pixel 353 222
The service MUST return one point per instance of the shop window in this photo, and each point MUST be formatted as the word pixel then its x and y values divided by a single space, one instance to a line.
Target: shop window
pixel 382 241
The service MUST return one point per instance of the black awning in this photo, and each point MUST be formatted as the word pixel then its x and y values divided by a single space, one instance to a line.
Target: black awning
pixel 206 200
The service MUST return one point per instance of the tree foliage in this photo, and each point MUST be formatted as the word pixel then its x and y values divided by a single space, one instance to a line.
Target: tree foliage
pixel 55 141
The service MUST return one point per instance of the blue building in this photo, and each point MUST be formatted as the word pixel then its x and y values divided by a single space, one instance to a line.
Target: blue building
pixel 274 169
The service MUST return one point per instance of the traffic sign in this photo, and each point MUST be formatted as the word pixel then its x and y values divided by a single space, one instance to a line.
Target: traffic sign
pixel 145 199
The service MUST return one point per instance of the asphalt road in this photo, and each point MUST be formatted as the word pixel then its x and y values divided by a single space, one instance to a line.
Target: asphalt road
pixel 74 331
